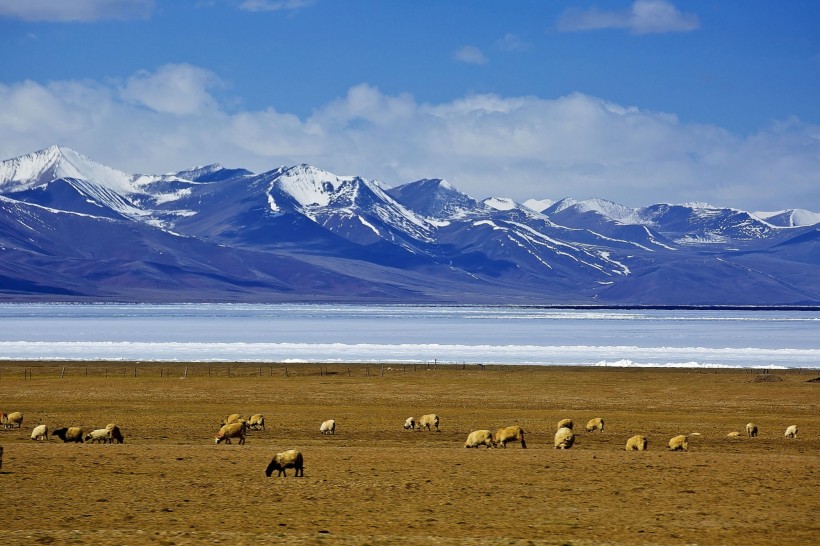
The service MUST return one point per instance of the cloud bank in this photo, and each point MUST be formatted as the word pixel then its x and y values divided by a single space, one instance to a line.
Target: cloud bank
pixel 72 11
pixel 520 147
pixel 643 17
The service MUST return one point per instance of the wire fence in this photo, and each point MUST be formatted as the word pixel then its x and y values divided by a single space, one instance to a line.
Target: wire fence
pixel 111 370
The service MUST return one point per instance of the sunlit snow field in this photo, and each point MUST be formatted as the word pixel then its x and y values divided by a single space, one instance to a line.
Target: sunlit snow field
pixel 410 334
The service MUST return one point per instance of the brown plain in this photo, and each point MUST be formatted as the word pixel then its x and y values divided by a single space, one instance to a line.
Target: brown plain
pixel 375 483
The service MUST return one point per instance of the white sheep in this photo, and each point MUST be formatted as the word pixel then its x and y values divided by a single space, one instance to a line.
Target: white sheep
pixel 409 424
pixel 751 430
pixel 679 443
pixel 512 433
pixel 287 459
pixel 564 438
pixel 480 438
pixel 114 433
pixel 636 443
pixel 256 422
pixel 40 432
pixel 565 423
pixel 100 435
pixel 596 423
pixel 11 420
pixel 328 427
pixel 791 432
pixel 237 429
pixel 429 420
pixel 733 434
pixel 70 434
pixel 232 418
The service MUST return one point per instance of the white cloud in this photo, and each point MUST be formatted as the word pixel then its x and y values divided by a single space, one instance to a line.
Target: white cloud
pixel 521 147
pixel 643 17
pixel 75 10
pixel 470 55
pixel 511 42
pixel 275 5
pixel 179 89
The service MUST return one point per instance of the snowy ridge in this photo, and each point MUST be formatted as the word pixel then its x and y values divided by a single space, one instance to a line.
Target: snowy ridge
pixel 55 162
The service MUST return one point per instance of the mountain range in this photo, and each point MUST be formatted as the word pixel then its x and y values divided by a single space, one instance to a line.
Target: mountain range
pixel 72 229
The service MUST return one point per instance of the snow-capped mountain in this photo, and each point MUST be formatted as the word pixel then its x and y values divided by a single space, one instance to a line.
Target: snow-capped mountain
pixel 71 228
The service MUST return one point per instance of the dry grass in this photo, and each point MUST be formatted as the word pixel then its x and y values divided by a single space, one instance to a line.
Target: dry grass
pixel 375 483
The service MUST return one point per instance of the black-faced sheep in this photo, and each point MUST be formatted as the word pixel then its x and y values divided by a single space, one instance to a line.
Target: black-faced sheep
pixel 565 423
pixel 480 438
pixel 791 432
pixel 428 421
pixel 328 427
pixel 40 432
pixel 679 443
pixel 636 443
pixel 115 434
pixel 100 435
pixel 70 434
pixel 237 429
pixel 512 433
pixel 11 420
pixel 596 423
pixel 751 430
pixel 409 424
pixel 564 438
pixel 256 422
pixel 287 459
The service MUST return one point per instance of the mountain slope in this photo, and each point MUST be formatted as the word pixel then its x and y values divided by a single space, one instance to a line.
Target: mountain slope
pixel 73 229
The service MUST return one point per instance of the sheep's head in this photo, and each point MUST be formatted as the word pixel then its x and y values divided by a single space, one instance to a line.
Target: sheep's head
pixel 218 440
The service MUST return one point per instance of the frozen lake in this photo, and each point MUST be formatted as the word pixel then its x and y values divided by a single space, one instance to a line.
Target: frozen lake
pixel 407 334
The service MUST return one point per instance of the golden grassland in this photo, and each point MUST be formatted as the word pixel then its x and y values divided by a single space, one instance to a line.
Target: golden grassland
pixel 374 483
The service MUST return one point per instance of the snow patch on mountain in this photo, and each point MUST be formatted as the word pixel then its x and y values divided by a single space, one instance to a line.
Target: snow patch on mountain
pixel 538 205
pixel 500 203
pixel 790 218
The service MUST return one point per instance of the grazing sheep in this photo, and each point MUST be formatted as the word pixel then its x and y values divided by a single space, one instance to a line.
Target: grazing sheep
pixel 427 421
pixel 751 430
pixel 480 438
pixel 236 429
pixel 565 423
pixel 232 418
pixel 410 424
pixel 510 434
pixel 596 423
pixel 40 432
pixel 70 434
pixel 100 435
pixel 11 420
pixel 636 443
pixel 287 459
pixel 679 443
pixel 791 432
pixel 115 433
pixel 328 427
pixel 733 434
pixel 564 438
pixel 256 422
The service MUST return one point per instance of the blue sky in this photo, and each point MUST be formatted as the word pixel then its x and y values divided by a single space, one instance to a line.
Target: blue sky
pixel 637 101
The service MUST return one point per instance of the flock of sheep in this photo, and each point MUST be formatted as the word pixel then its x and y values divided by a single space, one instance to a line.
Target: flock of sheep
pixel 234 426
pixel 108 435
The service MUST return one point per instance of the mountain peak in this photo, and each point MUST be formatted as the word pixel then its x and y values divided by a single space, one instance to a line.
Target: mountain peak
pixel 434 198
pixel 43 166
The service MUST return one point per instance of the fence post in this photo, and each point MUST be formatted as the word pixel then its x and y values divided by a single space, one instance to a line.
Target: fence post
pixel 186 372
